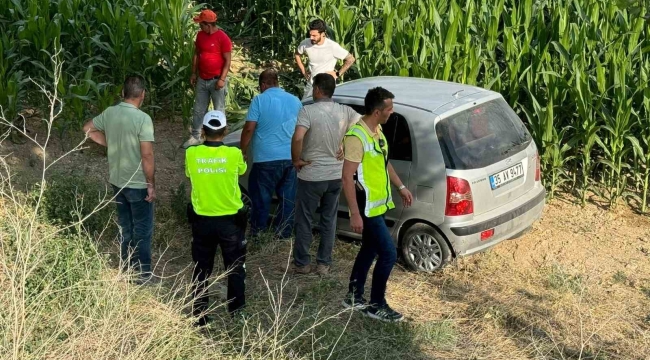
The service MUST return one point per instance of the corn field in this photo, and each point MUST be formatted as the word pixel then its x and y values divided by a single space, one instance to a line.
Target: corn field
pixel 575 70
pixel 102 42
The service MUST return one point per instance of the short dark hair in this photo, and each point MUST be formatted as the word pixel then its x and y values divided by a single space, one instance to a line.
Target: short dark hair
pixel 326 83
pixel 319 25
pixel 375 99
pixel 133 86
pixel 211 133
pixel 269 77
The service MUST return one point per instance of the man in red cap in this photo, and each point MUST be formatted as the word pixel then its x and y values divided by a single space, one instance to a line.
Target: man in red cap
pixel 210 67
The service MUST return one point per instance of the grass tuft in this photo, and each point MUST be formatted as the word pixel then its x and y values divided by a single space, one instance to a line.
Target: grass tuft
pixel 559 279
pixel 620 277
pixel 440 334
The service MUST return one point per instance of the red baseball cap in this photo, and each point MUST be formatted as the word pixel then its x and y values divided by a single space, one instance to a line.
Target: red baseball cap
pixel 206 16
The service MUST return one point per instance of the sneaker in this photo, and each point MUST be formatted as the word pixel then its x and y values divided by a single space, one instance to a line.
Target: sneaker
pixel 302 270
pixel 203 321
pixel 383 313
pixel 322 270
pixel 150 280
pixel 351 302
pixel 191 142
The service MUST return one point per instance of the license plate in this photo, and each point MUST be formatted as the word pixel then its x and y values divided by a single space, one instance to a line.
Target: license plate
pixel 506 176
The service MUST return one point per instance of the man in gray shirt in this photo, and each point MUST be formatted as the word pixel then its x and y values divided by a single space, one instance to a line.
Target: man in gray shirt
pixel 315 152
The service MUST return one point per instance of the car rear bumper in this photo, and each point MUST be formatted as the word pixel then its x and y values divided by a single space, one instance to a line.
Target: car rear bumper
pixel 466 238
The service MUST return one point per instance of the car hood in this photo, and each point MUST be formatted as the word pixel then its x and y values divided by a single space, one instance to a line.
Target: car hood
pixel 233 139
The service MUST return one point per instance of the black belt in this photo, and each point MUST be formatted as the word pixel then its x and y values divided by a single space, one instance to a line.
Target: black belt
pixel 216 77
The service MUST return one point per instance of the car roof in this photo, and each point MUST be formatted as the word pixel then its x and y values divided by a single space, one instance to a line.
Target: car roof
pixel 426 94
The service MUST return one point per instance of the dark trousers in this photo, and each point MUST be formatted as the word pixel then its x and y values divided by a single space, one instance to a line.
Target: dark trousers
pixel 309 196
pixel 207 234
pixel 135 219
pixel 266 178
pixel 376 242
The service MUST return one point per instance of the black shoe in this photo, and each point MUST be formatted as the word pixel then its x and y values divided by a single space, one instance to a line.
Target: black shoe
pixel 203 321
pixel 351 302
pixel 383 313
pixel 151 280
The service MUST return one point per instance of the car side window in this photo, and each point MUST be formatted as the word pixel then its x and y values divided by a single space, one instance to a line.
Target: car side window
pixel 398 135
pixel 358 108
pixel 399 138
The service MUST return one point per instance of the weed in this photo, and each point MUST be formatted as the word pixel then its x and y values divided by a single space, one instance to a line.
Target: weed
pixel 178 202
pixel 646 291
pixel 173 149
pixel 559 279
pixel 440 334
pixel 620 277
pixel 68 198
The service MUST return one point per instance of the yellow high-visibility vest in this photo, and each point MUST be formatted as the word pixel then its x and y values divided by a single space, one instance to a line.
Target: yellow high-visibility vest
pixel 372 173
pixel 214 171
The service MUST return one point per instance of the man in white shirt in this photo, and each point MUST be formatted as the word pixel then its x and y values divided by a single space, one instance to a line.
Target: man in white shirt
pixel 323 54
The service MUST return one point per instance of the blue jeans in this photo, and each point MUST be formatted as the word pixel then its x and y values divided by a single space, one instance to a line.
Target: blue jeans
pixel 135 219
pixel 376 241
pixel 266 178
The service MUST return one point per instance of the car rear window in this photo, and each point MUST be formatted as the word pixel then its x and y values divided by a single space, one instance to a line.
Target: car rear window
pixel 481 136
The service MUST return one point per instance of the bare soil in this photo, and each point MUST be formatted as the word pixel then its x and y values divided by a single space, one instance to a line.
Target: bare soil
pixel 576 287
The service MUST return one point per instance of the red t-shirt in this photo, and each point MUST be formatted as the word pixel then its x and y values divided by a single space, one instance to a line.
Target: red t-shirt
pixel 211 48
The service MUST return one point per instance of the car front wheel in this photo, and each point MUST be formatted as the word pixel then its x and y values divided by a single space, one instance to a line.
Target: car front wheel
pixel 424 249
pixel 245 198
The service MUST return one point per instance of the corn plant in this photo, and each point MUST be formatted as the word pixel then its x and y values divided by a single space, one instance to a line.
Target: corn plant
pixel 176 33
pixel 11 80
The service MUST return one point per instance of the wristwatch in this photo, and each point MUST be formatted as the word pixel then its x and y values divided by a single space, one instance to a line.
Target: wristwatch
pixel 337 73
pixel 401 187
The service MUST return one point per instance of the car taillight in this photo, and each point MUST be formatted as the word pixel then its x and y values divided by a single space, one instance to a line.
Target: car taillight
pixel 537 170
pixel 459 197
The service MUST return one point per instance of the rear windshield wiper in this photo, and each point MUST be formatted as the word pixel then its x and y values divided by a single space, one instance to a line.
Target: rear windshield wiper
pixel 515 145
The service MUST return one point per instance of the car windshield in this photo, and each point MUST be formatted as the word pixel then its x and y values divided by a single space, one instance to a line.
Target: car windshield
pixel 481 136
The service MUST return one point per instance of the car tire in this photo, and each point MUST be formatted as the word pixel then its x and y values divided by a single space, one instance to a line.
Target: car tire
pixel 424 249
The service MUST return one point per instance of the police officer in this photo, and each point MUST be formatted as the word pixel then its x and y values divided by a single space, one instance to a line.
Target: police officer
pixel 367 175
pixel 217 214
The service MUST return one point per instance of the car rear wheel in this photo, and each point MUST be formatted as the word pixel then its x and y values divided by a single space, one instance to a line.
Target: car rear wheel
pixel 424 249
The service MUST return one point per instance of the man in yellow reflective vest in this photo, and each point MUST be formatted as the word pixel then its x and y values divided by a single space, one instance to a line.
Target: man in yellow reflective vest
pixel 217 214
pixel 367 176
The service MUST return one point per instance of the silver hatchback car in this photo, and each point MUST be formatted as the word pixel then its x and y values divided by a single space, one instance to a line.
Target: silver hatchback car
pixel 468 159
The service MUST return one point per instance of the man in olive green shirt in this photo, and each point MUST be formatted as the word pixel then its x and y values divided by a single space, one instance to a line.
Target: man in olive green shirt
pixel 128 134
